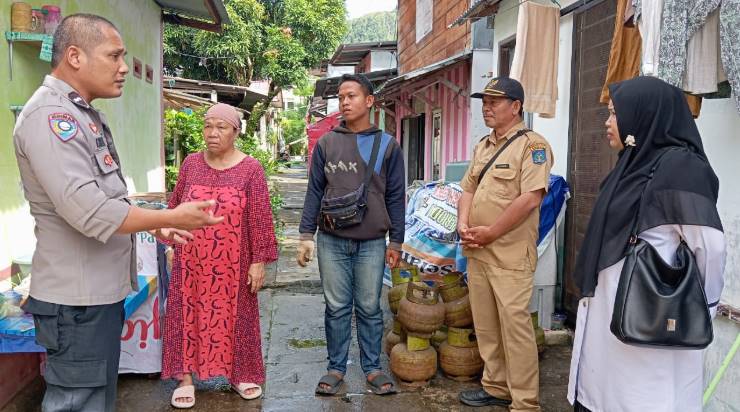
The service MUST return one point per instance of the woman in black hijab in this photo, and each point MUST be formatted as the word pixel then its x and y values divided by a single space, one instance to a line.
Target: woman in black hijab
pixel 649 120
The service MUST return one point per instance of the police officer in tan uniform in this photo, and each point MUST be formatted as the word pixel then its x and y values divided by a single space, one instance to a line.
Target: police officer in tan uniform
pixel 498 223
pixel 84 264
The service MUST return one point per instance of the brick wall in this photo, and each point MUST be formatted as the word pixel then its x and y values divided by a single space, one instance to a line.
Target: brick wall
pixel 438 45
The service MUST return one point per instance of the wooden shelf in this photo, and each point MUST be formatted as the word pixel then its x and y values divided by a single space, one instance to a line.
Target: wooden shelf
pixel 16 110
pixel 45 40
pixel 23 36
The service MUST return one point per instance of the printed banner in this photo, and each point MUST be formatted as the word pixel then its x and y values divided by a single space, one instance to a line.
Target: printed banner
pixel 141 340
pixel 431 239
pixel 146 254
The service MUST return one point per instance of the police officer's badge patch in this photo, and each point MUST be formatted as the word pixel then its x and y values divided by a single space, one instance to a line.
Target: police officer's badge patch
pixel 539 156
pixel 63 125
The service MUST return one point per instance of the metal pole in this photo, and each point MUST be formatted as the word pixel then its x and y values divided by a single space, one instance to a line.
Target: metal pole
pixel 176 148
pixel 718 376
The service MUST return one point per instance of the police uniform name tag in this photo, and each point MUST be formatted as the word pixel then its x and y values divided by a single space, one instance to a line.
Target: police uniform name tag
pixel 501 166
pixel 63 125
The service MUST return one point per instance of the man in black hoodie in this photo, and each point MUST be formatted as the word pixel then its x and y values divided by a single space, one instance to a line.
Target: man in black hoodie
pixel 351 259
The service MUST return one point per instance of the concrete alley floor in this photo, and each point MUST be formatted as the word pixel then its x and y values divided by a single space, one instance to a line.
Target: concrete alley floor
pixel 294 348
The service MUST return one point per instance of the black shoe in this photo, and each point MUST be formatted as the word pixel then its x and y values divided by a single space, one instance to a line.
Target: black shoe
pixel 479 397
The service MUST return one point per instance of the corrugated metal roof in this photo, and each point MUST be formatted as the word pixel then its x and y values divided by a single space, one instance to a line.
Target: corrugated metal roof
pixel 480 8
pixel 329 87
pixel 351 54
pixel 228 93
pixel 396 81
pixel 196 8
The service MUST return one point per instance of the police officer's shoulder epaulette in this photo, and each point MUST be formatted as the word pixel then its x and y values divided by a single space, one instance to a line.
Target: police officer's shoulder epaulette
pixel 483 138
pixel 43 109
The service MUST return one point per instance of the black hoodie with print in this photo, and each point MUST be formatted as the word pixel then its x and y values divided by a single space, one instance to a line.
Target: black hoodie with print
pixel 338 167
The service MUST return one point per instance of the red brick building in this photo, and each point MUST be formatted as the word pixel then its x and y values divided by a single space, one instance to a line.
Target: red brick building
pixel 430 97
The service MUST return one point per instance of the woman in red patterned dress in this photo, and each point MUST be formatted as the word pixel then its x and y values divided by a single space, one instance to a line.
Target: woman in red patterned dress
pixel 212 320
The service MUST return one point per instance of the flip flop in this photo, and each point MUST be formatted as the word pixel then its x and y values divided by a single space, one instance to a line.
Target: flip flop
pixel 187 391
pixel 242 389
pixel 378 383
pixel 332 381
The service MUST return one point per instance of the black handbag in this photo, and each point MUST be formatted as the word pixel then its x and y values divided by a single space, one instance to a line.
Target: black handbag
pixel 349 210
pixel 658 304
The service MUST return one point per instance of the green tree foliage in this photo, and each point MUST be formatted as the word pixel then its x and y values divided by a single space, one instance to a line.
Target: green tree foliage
pixel 187 128
pixel 229 55
pixel 293 123
pixel 379 26
pixel 268 39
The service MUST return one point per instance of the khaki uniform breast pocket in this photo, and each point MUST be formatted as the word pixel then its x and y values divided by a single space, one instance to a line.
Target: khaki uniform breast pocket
pixel 503 182
pixel 106 175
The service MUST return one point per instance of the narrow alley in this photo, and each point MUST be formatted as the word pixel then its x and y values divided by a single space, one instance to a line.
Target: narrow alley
pixel 294 348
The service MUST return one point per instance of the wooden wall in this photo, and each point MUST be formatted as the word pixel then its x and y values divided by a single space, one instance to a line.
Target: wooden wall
pixel 438 45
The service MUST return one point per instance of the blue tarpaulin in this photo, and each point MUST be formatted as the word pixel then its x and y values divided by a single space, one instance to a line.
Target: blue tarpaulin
pixel 551 205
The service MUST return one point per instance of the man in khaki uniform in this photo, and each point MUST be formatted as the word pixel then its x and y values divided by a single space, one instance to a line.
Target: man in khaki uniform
pixel 84 265
pixel 498 223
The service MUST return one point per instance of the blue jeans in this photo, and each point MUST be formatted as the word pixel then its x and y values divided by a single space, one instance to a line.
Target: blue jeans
pixel 352 271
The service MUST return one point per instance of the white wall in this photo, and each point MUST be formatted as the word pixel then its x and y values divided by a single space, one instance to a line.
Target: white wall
pixel 334 71
pixel 719 125
pixel 479 77
pixel 555 130
pixel 382 60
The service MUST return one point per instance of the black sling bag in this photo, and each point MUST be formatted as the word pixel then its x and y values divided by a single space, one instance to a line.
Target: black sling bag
pixel 501 150
pixel 349 210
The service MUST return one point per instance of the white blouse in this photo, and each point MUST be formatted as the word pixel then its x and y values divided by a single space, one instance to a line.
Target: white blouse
pixel 607 375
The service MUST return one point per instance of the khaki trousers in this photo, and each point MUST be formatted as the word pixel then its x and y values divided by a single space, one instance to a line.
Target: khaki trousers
pixel 499 299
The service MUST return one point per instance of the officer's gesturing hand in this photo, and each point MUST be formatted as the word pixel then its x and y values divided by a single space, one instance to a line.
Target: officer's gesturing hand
pixel 178 236
pixel 194 215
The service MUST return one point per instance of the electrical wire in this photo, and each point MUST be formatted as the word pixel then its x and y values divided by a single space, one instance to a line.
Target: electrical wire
pixel 555 2
pixel 203 57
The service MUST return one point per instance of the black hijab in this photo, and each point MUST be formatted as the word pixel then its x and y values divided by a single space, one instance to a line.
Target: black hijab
pixel 683 189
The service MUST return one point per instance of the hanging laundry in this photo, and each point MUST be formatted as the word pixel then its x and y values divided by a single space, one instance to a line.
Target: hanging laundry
pixel 724 91
pixel 703 64
pixel 535 62
pixel 729 37
pixel 694 104
pixel 674 37
pixel 624 57
pixel 648 16
pixel 680 21
pixel 698 13
pixel 629 12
